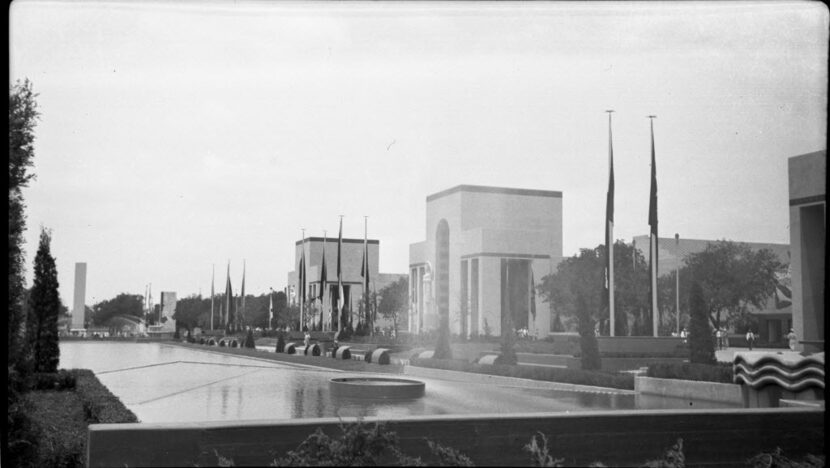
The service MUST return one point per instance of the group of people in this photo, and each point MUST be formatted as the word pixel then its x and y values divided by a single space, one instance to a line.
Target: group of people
pixel 722 338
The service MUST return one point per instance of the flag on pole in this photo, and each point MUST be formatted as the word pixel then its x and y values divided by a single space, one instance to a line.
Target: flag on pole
pixel 609 231
pixel 242 292
pixel 323 279
pixel 652 221
pixel 340 297
pixel 364 272
pixel 301 286
pixel 212 293
pixel 228 300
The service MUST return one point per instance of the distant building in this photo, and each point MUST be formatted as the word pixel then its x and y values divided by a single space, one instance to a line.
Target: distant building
pixel 351 258
pixel 484 247
pixel 808 211
pixel 78 306
pixel 167 324
pixel 774 320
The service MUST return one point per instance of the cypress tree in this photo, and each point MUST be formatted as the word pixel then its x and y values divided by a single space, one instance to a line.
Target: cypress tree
pixel 23 115
pixel 442 347
pixel 44 308
pixel 701 347
pixel 587 339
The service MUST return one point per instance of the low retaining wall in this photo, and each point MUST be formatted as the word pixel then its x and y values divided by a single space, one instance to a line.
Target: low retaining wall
pixel 730 394
pixel 710 437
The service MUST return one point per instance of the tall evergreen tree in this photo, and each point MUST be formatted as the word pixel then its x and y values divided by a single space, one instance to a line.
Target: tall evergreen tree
pixel 23 115
pixel 44 309
pixel 701 347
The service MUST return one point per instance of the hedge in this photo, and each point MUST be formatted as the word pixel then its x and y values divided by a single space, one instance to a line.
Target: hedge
pixel 100 405
pixel 60 380
pixel 721 373
pixel 550 374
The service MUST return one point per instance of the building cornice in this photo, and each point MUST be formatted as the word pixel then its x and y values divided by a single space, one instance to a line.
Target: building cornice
pixel 497 190
pixel 333 240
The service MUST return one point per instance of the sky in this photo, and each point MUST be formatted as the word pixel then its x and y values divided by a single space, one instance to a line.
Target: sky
pixel 176 137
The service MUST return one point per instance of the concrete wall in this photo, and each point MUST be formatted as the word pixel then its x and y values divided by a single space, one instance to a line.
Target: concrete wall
pixel 720 437
pixel 807 191
pixel 690 390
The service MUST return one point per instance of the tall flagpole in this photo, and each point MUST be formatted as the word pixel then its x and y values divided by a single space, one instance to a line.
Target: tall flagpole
pixel 366 265
pixel 323 286
pixel 212 278
pixel 340 298
pixel 652 221
pixel 301 286
pixel 609 228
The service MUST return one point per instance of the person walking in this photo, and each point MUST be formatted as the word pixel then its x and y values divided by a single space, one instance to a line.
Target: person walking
pixel 791 336
pixel 719 338
pixel 750 338
pixel 684 335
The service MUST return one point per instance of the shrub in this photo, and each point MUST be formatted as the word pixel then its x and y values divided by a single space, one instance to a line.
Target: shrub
pixel 249 340
pixel 61 380
pixel 280 342
pixel 550 374
pixel 701 347
pixel 776 458
pixel 100 405
pixel 721 373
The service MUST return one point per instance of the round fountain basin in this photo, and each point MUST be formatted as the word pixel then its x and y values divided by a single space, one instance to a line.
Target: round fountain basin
pixel 376 387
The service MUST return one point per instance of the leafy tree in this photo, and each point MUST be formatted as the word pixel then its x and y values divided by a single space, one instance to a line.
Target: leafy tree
pixel 584 274
pixel 192 311
pixel 701 347
pixel 280 307
pixel 575 289
pixel 122 304
pixel 44 308
pixel 393 301
pixel 732 277
pixel 23 115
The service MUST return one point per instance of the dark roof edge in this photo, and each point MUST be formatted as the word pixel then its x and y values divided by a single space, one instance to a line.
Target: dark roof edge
pixel 501 190
pixel 334 240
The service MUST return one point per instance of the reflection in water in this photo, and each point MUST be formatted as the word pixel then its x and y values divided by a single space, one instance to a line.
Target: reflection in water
pixel 163 383
pixel 646 401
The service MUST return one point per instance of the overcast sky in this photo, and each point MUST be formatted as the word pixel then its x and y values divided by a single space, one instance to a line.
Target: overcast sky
pixel 178 135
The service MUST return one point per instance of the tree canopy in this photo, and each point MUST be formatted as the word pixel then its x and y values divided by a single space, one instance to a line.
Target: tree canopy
pixel 394 300
pixel 44 308
pixel 732 278
pixel 122 304
pixel 23 116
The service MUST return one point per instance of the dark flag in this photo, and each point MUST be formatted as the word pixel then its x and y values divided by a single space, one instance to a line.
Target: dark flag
pixel 323 278
pixel 228 300
pixel 652 222
pixel 340 296
pixel 364 273
pixel 609 231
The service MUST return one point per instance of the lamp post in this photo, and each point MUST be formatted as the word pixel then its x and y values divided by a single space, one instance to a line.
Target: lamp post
pixel 677 279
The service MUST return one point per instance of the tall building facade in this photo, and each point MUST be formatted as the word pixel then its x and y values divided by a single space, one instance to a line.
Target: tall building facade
pixel 808 221
pixel 485 249
pixel 319 312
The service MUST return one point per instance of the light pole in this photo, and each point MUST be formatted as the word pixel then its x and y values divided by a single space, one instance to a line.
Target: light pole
pixel 677 279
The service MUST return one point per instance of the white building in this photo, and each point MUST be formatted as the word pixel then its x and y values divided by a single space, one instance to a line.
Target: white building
pixel 483 245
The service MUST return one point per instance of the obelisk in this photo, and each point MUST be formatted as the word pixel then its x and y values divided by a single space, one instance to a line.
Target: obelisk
pixel 78 307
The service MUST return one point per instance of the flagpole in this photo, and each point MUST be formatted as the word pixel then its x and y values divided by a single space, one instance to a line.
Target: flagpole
pixel 652 221
pixel 301 286
pixel 340 299
pixel 212 280
pixel 366 263
pixel 323 285
pixel 609 221
pixel 242 293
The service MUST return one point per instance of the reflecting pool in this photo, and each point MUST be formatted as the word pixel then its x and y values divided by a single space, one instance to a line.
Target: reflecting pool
pixel 167 383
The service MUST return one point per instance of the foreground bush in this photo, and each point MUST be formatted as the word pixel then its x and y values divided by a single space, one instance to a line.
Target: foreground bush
pixel 61 380
pixel 100 405
pixel 720 373
pixel 550 374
